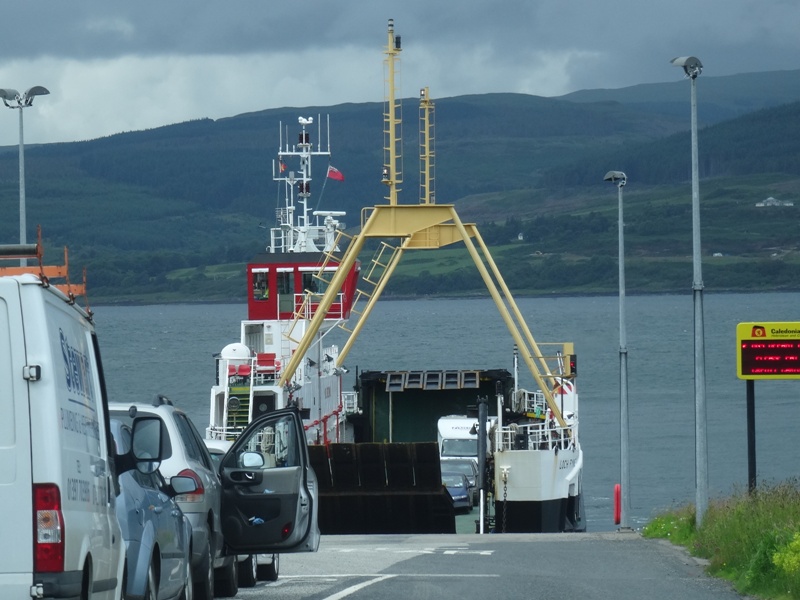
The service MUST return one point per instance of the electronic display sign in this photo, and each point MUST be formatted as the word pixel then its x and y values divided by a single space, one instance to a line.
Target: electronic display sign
pixel 768 350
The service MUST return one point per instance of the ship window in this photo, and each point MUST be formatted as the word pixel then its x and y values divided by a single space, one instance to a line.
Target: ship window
pixel 309 282
pixel 285 282
pixel 286 291
pixel 260 286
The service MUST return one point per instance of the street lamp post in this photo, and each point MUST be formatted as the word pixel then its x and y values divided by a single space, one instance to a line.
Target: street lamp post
pixel 693 67
pixel 620 179
pixel 20 101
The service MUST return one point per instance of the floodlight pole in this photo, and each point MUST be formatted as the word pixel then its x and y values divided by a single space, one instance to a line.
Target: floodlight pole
pixel 620 179
pixel 693 67
pixel 21 101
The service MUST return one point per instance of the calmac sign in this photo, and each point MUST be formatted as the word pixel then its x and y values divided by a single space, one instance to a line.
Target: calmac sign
pixel 768 351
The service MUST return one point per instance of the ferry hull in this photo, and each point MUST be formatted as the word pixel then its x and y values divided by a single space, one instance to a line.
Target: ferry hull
pixel 542 516
pixel 539 491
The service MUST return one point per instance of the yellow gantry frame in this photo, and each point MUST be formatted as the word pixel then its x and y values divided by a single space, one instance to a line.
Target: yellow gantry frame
pixel 426 227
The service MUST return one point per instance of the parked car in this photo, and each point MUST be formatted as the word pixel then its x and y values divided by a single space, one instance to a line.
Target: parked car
pixel 252 567
pixel 262 499
pixel 468 467
pixel 186 455
pixel 459 489
pixel 157 534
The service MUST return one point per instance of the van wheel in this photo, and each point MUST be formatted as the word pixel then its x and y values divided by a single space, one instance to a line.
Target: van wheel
pixel 228 583
pixel 270 572
pixel 86 584
pixel 204 582
pixel 247 572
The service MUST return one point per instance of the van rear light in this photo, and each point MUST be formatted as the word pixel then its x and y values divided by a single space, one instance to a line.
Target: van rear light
pixel 195 496
pixel 48 529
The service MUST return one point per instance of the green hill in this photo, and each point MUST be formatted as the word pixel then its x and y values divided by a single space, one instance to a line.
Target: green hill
pixel 173 213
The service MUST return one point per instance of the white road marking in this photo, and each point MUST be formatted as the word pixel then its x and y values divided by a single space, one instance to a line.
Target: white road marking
pixel 359 586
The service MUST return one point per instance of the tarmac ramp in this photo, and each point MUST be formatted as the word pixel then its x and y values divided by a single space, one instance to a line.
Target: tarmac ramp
pixel 371 488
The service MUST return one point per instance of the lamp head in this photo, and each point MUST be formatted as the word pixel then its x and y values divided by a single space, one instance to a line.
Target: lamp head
pixel 617 177
pixel 691 65
pixel 8 94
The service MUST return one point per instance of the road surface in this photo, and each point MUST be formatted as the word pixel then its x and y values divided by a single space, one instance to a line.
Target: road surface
pixel 610 565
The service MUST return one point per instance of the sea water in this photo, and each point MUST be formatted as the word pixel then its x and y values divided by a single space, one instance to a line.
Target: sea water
pixel 169 349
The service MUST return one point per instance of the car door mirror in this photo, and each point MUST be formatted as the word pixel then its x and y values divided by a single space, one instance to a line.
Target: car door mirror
pixel 146 446
pixel 269 490
pixel 182 485
pixel 252 460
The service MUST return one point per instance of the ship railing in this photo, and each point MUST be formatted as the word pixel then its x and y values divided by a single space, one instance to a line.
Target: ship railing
pixel 535 403
pixel 216 432
pixel 307 303
pixel 350 403
pixel 535 436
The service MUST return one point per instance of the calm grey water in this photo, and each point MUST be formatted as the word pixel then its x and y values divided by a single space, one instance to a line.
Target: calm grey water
pixel 168 349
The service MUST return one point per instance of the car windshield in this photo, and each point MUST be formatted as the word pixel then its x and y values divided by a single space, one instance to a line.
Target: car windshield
pixel 459 467
pixel 453 480
pixel 216 458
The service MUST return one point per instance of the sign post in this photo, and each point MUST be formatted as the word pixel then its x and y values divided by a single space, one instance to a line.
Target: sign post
pixel 765 351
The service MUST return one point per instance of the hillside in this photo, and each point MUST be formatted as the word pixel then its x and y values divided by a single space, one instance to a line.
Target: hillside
pixel 173 213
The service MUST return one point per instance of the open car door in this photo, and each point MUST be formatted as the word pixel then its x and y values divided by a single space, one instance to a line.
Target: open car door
pixel 269 490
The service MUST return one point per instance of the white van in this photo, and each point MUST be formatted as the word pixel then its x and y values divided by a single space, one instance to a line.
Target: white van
pixel 59 482
pixel 61 538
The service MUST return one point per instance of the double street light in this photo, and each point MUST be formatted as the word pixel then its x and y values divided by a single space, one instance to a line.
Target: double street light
pixel 13 99
pixel 693 67
pixel 619 179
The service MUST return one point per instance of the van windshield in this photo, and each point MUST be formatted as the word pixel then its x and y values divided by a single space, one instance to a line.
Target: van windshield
pixel 460 447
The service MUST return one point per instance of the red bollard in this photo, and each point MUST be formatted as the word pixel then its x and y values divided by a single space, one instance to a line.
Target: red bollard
pixel 617 504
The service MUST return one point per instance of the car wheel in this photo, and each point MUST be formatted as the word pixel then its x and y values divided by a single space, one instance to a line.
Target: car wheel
pixel 204 577
pixel 270 572
pixel 248 575
pixel 188 584
pixel 151 589
pixel 227 584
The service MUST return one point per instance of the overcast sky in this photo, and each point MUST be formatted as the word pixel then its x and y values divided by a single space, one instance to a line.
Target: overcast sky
pixel 114 65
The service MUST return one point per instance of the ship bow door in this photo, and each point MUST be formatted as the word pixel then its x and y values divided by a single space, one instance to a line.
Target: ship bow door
pixel 269 501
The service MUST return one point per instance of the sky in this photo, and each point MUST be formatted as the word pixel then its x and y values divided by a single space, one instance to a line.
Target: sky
pixel 113 66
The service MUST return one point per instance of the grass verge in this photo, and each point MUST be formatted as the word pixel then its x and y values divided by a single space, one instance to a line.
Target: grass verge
pixel 750 539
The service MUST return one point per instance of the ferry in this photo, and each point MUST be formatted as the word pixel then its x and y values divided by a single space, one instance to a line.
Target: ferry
pixel 285 283
pixel 374 449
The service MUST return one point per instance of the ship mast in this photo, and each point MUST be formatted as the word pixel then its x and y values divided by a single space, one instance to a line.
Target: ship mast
pixel 427 193
pixel 392 122
pixel 298 233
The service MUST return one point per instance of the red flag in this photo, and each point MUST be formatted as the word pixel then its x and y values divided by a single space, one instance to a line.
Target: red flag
pixel 282 164
pixel 335 173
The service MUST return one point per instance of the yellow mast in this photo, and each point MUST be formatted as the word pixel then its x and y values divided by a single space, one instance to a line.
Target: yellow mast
pixel 420 227
pixel 392 162
pixel 427 192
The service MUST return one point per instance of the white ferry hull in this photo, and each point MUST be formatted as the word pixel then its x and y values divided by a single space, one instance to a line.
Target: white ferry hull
pixel 538 491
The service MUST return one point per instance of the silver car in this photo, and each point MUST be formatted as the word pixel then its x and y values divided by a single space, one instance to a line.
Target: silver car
pixel 157 534
pixel 252 567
